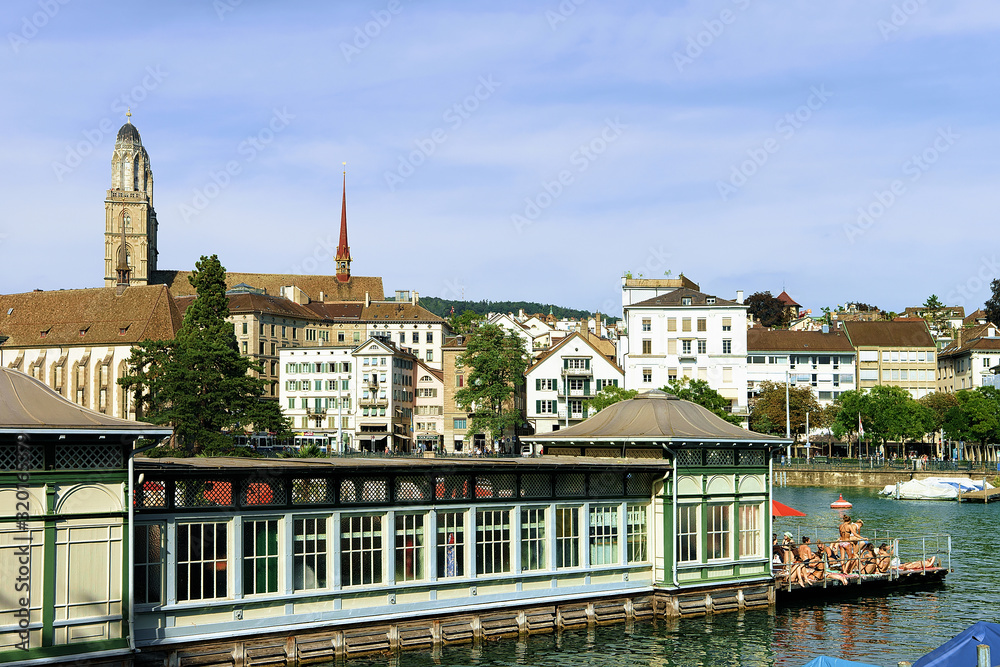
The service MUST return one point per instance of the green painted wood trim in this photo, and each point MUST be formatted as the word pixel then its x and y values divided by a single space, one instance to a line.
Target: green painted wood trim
pixel 49 584
pixel 80 649
pixel 49 518
pixel 66 476
pixel 126 530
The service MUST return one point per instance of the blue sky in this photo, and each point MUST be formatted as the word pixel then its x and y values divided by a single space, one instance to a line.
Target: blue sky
pixel 523 150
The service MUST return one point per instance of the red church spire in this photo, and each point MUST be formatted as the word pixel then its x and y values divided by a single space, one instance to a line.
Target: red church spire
pixel 344 250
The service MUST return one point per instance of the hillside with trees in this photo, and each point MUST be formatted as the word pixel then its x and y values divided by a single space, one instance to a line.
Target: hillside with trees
pixel 442 307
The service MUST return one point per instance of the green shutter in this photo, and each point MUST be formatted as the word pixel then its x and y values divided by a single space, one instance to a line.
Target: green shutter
pixel 538 384
pixel 538 407
pixel 586 364
pixel 565 363
pixel 615 381
pixel 586 387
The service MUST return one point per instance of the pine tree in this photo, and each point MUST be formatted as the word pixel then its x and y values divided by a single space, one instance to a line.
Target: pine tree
pixel 199 383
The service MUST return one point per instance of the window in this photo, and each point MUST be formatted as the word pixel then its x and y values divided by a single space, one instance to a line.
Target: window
pixel 402 337
pixel 749 531
pixel 687 533
pixel 430 337
pixel 635 535
pixel 430 355
pixel 647 324
pixel 202 561
pixel 260 556
pixel 284 332
pixel 309 553
pixel 460 380
pixel 727 346
pixel 671 324
pixel 702 324
pixel 409 546
pixel 647 375
pixel 727 324
pixel 647 346
pixel 492 541
pixel 685 301
pixel 460 424
pixel 533 538
pixel 685 347
pixel 545 385
pixel 244 328
pixel 686 324
pixel 360 550
pixel 717 538
pixel 149 553
pixel 451 544
pixel 869 374
pixel 545 407
pixel 603 534
pixel 340 336
pixel 357 336
pixel 702 346
pixel 567 537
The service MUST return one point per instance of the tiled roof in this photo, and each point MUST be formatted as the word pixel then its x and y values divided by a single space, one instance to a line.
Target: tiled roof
pixel 432 371
pixel 782 340
pixel 889 334
pixel 950 312
pixel 973 338
pixel 258 303
pixel 974 317
pixel 332 289
pixel 675 299
pixel 786 300
pixel 398 311
pixel 340 310
pixel 143 312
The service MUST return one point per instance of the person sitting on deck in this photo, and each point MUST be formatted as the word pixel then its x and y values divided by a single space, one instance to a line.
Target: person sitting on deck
pixel 825 557
pixel 919 564
pixel 883 558
pixel 831 556
pixel 866 559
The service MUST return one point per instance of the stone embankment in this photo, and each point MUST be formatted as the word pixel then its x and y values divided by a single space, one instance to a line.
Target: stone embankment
pixel 877 478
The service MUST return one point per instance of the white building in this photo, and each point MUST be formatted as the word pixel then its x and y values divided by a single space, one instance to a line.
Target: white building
pixel 365 394
pixel 967 361
pixel 563 378
pixel 826 362
pixel 686 333
pixel 636 290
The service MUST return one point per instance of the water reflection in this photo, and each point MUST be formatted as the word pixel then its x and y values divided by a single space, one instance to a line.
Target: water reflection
pixel 881 629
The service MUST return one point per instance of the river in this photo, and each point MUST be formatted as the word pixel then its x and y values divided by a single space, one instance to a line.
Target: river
pixel 878 630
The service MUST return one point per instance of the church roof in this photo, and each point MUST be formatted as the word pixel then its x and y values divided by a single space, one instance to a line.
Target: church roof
pixel 88 317
pixel 655 416
pixel 27 404
pixel 332 289
pixel 127 132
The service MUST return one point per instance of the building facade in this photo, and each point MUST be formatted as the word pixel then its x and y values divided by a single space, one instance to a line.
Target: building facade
pixel 966 363
pixel 898 354
pixel 686 333
pixel 559 383
pixel 428 408
pixel 823 361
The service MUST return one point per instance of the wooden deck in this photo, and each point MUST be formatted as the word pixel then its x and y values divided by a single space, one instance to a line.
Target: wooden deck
pixel 861 585
pixel 984 496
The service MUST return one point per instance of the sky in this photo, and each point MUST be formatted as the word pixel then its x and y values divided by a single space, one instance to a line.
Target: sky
pixel 535 151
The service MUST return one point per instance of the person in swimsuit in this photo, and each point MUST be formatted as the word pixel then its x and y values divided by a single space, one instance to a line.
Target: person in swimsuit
pixel 919 564
pixel 845 546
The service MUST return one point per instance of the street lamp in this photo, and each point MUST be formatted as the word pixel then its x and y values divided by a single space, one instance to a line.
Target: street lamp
pixel 788 417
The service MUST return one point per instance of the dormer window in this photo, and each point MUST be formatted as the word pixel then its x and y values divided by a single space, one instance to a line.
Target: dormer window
pixel 83 332
pixel 686 301
pixel 45 333
pixel 122 330
pixel 710 300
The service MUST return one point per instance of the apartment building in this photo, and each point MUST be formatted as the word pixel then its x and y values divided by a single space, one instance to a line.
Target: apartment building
pixel 822 360
pixel 898 354
pixel 428 407
pixel 966 363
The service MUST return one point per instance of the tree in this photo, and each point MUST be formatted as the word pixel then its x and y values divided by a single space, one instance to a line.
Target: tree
pixel 199 383
pixel 497 361
pixel 888 414
pixel 976 418
pixel 766 309
pixel 850 406
pixel 992 305
pixel 609 395
pixel 698 391
pixel 936 315
pixel 464 323
pixel 767 414
pixel 939 403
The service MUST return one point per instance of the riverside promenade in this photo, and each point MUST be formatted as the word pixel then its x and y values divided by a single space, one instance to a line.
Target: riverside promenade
pixel 865 473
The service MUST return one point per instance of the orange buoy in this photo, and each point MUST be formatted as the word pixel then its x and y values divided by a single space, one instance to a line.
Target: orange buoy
pixel 841 504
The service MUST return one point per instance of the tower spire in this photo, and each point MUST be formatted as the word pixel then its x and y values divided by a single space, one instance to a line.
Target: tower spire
pixel 128 116
pixel 343 249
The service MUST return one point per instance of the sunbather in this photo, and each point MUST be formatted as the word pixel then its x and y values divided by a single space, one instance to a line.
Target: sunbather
pixel 919 564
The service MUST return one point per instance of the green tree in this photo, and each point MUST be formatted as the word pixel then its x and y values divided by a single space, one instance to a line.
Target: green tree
pixel 767 413
pixel 939 403
pixel 199 383
pixel 936 315
pixel 496 360
pixel 464 323
pixel 992 305
pixel 698 391
pixel 609 395
pixel 766 309
pixel 976 418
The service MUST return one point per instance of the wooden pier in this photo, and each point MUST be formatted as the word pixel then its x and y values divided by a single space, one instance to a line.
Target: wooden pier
pixel 982 496
pixel 863 584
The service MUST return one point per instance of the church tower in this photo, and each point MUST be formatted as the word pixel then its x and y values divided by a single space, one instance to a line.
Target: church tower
pixel 129 217
pixel 343 249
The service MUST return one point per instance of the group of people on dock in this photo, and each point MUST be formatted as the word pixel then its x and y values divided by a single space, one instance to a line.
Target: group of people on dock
pixel 848 557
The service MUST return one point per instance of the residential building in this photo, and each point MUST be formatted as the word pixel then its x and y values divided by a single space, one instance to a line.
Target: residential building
pixel 635 290
pixel 319 392
pixel 386 393
pixel 899 354
pixel 966 362
pixel 510 323
pixel 823 361
pixel 78 342
pixel 687 333
pixel 559 383
pixel 428 407
pixel 409 325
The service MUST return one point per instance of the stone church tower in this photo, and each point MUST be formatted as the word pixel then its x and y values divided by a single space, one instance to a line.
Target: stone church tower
pixel 129 216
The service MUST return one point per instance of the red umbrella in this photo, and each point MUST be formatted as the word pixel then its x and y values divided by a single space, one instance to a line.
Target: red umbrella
pixel 780 509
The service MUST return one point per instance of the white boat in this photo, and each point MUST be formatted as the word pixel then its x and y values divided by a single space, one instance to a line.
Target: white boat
pixel 933 488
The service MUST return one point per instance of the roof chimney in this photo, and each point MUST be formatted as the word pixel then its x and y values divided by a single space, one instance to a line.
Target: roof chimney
pixel 414 298
pixel 826 328
pixel 321 297
pixel 368 300
pixel 739 296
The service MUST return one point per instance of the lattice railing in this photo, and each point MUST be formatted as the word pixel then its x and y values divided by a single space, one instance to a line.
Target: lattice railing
pixel 605 484
pixel 720 457
pixel 536 486
pixel 202 493
pixel 259 491
pixel 570 485
pixel 11 458
pixel 751 457
pixel 309 491
pixel 360 490
pixel 151 493
pixel 689 457
pixel 413 489
pixel 639 483
pixel 88 457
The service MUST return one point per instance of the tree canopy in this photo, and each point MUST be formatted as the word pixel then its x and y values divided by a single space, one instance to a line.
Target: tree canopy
pixel 496 361
pixel 976 418
pixel 199 383
pixel 888 414
pixel 936 314
pixel 698 391
pixel 992 305
pixel 767 412
pixel 465 322
pixel 609 395
pixel 443 307
pixel 766 309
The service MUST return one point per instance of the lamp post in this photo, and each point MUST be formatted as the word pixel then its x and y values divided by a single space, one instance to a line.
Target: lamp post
pixel 788 416
pixel 807 435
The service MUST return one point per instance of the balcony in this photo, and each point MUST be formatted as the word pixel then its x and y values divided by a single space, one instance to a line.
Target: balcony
pixel 574 372
pixel 378 402
pixel 576 393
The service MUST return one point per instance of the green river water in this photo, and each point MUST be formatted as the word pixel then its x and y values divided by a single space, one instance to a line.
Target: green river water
pixel 880 630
